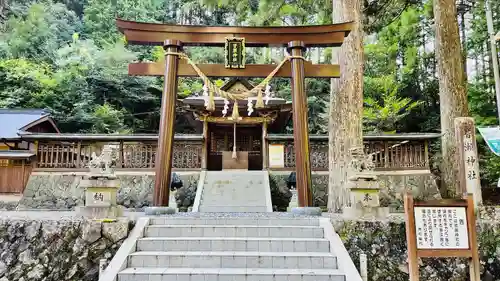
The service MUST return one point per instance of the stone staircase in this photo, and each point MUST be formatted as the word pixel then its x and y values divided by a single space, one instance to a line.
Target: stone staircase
pixel 235 191
pixel 220 247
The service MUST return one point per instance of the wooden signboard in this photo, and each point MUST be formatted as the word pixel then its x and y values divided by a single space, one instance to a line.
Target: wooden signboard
pixel 441 228
pixel 235 52
pixel 276 156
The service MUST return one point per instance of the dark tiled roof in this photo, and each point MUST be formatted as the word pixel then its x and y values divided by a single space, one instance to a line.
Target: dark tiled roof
pixel 15 154
pixel 13 120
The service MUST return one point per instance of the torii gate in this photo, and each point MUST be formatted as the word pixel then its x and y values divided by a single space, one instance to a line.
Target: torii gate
pixel 173 37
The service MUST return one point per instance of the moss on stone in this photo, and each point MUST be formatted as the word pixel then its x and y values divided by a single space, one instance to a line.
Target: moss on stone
pixel 384 243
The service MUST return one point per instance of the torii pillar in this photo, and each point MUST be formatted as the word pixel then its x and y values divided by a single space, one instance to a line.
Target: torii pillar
pixel 297 38
pixel 163 160
pixel 300 125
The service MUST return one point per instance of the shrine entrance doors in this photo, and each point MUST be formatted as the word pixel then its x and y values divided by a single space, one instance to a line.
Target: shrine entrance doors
pixel 220 145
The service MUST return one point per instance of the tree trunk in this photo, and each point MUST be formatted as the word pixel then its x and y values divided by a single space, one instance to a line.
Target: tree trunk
pixel 463 37
pixel 452 86
pixel 346 103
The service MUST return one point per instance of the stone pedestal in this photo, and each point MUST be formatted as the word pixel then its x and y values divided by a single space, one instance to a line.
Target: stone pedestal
pixel 365 198
pixel 293 201
pixel 100 197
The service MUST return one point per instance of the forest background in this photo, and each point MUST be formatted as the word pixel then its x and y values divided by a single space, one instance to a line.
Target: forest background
pixel 66 56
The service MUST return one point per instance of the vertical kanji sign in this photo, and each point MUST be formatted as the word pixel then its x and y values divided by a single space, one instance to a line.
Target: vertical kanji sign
pixel 465 133
pixel 441 228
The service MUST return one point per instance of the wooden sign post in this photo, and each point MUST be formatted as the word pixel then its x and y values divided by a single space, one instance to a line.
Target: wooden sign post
pixel 441 228
pixel 468 162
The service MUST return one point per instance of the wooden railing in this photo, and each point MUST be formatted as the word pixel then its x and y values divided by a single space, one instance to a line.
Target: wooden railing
pixel 389 152
pixel 392 152
pixel 71 152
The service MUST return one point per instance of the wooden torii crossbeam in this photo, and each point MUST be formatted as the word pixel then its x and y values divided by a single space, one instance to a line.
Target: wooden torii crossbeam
pixel 173 37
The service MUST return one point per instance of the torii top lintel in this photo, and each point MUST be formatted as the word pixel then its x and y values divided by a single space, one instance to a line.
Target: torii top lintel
pixel 191 35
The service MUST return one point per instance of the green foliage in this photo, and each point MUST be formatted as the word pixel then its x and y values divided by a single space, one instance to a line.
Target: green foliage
pixel 108 120
pixel 68 57
pixel 382 115
pixel 38 34
pixel 400 83
pixel 99 17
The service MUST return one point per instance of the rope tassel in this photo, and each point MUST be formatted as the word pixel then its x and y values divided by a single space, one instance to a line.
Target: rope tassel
pixel 236 113
pixel 211 102
pixel 260 101
pixel 235 154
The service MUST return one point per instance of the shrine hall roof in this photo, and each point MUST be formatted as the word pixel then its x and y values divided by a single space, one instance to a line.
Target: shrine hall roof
pixel 15 121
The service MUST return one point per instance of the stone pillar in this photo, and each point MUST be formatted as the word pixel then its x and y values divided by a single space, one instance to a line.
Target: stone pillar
pixel 101 186
pixel 467 164
pixel 163 169
pixel 300 125
pixel 363 188
pixel 100 197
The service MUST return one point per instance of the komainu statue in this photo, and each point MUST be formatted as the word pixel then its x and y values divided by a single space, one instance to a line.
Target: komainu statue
pixel 361 162
pixel 101 165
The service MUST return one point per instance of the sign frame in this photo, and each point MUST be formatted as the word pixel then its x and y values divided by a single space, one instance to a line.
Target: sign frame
pixel 272 164
pixel 488 135
pixel 411 235
pixel 234 52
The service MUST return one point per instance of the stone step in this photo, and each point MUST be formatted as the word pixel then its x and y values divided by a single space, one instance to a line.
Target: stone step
pixel 229 192
pixel 234 173
pixel 224 201
pixel 233 189
pixel 272 221
pixel 224 180
pixel 224 274
pixel 281 260
pixel 233 244
pixel 211 208
pixel 233 231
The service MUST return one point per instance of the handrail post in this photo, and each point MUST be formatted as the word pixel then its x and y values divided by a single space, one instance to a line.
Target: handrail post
pixel 426 153
pixel 386 154
pixel 120 155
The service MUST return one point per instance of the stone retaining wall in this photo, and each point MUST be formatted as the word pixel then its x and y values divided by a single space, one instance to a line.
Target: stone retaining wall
pixel 392 187
pixel 57 250
pixel 68 248
pixel 384 242
pixel 62 191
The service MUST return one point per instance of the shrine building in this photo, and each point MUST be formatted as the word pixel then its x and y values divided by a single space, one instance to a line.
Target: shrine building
pixel 250 132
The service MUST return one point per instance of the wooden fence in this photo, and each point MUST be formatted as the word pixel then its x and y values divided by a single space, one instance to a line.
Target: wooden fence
pixel 14 175
pixel 397 152
pixel 392 152
pixel 127 154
